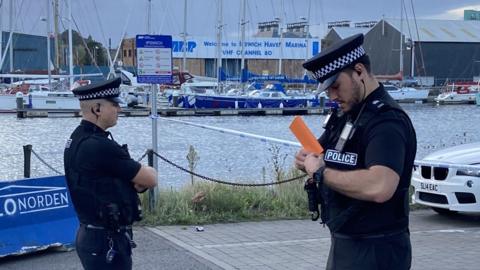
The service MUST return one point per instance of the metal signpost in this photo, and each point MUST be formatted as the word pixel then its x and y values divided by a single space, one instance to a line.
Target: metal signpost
pixel 154 66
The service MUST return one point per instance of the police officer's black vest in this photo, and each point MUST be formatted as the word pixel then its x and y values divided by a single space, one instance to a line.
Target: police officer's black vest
pixel 101 200
pixel 350 216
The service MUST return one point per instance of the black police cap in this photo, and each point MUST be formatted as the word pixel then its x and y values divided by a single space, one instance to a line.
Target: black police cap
pixel 109 89
pixel 326 65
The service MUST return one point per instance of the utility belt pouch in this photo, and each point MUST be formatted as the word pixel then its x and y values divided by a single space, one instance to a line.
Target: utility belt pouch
pixel 137 213
pixel 314 188
pixel 110 216
pixel 313 198
pixel 125 147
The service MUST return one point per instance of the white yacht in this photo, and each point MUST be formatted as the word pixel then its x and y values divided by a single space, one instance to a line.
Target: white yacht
pixel 459 93
pixel 406 94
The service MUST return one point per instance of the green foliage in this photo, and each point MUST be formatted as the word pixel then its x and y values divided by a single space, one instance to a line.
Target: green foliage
pixel 223 203
pixel 81 47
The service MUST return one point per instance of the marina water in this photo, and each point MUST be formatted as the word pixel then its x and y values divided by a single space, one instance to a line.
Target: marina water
pixel 222 156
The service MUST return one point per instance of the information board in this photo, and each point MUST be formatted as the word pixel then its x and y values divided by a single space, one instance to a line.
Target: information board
pixel 154 59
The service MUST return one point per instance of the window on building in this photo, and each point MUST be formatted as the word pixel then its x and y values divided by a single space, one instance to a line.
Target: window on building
pixel 129 53
pixel 124 53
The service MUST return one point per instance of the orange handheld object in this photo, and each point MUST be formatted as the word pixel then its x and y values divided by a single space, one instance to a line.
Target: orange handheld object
pixel 305 136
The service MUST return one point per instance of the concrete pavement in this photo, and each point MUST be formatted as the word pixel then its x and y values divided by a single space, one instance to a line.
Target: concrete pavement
pixel 438 243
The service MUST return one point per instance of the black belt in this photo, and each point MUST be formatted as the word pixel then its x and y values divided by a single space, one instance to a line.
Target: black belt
pixel 95 227
pixel 368 236
pixel 127 230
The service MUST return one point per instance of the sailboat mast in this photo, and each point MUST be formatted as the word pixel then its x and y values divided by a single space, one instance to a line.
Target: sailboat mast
pixel 242 25
pixel 401 40
pixel 11 34
pixel 280 30
pixel 219 44
pixel 70 45
pixel 307 39
pixel 184 47
pixel 149 16
pixel 55 29
pixel 48 47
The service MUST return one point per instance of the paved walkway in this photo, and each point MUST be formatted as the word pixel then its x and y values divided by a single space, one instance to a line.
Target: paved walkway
pixel 438 243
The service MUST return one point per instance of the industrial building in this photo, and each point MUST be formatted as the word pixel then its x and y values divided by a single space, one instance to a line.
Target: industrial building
pixel 437 50
pixel 434 51
pixel 29 53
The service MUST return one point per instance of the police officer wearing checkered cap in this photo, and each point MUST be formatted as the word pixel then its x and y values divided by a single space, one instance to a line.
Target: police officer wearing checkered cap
pixel 103 181
pixel 361 180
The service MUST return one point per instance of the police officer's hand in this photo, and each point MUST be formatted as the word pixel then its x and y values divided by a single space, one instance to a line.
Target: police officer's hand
pixel 312 163
pixel 300 159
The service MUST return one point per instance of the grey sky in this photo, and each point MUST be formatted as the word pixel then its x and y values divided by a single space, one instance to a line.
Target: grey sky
pixel 105 19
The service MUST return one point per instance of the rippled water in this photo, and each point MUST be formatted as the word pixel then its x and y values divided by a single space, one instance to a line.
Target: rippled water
pixel 221 155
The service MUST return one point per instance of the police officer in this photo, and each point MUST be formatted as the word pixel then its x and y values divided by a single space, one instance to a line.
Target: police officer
pixel 103 181
pixel 364 174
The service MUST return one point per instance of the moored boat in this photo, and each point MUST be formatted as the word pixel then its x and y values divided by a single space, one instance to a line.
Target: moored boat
pixel 406 94
pixel 459 93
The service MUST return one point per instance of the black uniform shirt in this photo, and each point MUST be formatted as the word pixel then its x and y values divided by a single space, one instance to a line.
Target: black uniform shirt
pixel 384 137
pixel 99 155
pixel 96 160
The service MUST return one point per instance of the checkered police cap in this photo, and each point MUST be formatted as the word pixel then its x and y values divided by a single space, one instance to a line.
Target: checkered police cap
pixel 326 65
pixel 102 90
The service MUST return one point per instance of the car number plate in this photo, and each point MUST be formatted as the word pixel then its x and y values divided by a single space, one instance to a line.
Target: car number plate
pixel 430 187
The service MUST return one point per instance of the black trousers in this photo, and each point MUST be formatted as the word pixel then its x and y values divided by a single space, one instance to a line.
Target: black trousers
pixel 389 252
pixel 92 246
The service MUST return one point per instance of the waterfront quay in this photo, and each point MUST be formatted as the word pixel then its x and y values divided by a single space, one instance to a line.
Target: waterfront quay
pixel 171 111
pixel 38 113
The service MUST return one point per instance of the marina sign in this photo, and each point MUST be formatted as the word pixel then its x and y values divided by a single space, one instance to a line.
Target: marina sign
pixel 154 59
pixel 254 48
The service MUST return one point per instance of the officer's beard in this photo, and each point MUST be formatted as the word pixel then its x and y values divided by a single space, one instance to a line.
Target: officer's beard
pixel 358 96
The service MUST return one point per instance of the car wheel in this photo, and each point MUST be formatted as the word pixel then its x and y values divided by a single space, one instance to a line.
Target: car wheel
pixel 444 212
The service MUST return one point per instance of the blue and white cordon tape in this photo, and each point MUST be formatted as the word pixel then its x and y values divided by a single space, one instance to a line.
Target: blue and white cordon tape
pixel 297 144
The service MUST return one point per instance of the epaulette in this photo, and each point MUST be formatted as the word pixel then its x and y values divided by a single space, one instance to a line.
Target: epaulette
pixel 377 106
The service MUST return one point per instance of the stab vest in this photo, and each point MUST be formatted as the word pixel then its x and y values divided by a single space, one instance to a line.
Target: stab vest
pixel 94 196
pixel 351 216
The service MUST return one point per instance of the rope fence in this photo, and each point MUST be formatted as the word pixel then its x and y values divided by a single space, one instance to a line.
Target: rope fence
pixel 166 160
pixel 225 182
pixel 45 163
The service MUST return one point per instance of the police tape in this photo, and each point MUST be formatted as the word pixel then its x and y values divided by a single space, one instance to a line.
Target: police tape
pixel 297 144
pixel 235 132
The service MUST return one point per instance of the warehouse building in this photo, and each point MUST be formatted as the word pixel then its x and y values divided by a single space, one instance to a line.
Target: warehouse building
pixel 437 50
pixel 29 53
pixel 434 51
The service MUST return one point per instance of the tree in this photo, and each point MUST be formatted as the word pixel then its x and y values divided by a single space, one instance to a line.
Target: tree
pixel 80 52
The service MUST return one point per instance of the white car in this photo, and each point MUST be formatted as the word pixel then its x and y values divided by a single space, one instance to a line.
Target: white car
pixel 448 180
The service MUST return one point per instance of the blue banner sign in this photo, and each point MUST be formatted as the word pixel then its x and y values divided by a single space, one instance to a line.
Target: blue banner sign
pixel 154 59
pixel 254 48
pixel 35 214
